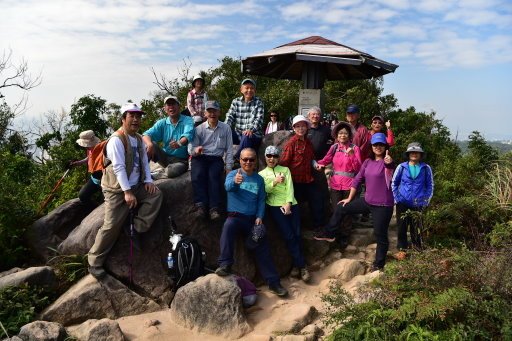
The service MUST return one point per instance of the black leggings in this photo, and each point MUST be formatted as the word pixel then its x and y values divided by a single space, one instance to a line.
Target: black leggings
pixel 381 218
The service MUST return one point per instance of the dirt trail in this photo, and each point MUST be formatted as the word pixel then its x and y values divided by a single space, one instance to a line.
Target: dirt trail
pixel 267 310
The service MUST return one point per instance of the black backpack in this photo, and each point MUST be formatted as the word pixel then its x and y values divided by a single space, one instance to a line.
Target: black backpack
pixel 188 262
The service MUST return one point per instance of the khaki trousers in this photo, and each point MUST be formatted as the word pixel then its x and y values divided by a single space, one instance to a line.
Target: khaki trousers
pixel 116 212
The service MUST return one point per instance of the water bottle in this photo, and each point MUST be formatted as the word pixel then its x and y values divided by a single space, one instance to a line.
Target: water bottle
pixel 170 261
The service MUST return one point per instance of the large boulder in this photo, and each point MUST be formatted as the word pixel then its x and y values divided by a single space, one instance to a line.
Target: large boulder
pixel 149 268
pixel 80 240
pixel 94 330
pixel 42 331
pixel 54 227
pixel 211 305
pixel 42 276
pixel 90 299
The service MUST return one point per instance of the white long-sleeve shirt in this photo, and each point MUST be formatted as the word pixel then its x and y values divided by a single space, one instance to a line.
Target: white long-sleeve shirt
pixel 116 154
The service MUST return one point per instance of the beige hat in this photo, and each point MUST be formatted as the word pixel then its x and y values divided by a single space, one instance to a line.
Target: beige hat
pixel 87 139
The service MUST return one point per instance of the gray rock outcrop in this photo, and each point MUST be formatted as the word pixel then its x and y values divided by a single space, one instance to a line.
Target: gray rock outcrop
pixel 42 331
pixel 89 299
pixel 42 276
pixel 50 230
pixel 95 330
pixel 211 305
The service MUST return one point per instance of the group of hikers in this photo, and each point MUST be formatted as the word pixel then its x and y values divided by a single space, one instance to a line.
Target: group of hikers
pixel 356 162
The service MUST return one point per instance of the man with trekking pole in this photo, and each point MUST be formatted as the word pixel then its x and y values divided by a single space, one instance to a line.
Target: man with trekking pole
pixel 127 186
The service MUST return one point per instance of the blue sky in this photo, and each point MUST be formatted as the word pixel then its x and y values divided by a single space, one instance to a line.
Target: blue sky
pixel 454 56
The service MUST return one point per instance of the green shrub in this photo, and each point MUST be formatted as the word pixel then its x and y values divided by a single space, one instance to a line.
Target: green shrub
pixel 433 295
pixel 20 305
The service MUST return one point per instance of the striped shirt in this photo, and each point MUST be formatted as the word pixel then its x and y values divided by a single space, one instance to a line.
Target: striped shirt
pixel 246 115
pixel 215 141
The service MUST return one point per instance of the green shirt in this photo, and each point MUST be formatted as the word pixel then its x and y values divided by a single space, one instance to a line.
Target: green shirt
pixel 279 194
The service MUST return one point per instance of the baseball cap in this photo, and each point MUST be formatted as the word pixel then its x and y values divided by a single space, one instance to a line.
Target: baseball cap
pixel 248 80
pixel 378 117
pixel 212 105
pixel 131 107
pixel 272 150
pixel 171 97
pixel 379 138
pixel 353 109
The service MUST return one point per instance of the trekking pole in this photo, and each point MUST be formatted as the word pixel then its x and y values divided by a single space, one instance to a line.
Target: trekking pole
pixel 132 233
pixel 50 196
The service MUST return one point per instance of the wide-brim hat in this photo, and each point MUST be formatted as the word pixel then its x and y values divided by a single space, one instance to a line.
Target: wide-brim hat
pixel 87 139
pixel 338 127
pixel 414 147
pixel 300 118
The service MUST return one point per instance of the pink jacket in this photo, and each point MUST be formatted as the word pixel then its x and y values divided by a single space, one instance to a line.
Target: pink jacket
pixel 345 166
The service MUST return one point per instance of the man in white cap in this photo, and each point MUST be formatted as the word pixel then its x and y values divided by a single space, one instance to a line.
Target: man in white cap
pixel 246 115
pixel 175 132
pixel 212 140
pixel 126 185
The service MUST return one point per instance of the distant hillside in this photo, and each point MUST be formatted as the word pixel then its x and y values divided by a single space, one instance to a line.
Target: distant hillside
pixel 500 146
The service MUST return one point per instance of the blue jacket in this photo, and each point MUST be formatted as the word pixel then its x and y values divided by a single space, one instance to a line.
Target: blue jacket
pixel 413 192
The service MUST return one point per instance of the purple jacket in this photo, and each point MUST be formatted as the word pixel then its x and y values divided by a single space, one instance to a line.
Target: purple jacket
pixel 377 176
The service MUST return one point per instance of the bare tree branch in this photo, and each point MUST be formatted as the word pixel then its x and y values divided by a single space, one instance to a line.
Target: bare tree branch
pixel 16 75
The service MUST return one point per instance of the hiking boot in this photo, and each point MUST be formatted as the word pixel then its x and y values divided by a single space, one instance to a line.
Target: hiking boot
pixel 324 236
pixel 214 214
pixel 135 238
pixel 200 211
pixel 278 290
pixel 97 272
pixel 223 270
pixel 374 268
pixel 304 275
pixel 295 272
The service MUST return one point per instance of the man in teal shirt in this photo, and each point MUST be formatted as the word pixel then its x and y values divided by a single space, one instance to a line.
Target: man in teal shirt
pixel 174 132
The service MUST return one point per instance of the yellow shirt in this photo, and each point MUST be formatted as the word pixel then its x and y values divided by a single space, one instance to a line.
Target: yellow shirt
pixel 281 193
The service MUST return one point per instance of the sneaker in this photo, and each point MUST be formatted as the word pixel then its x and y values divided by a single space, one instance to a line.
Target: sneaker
pixel 304 275
pixel 158 174
pixel 214 214
pixel 323 236
pixel 295 272
pixel 97 272
pixel 400 255
pixel 223 270
pixel 200 211
pixel 278 290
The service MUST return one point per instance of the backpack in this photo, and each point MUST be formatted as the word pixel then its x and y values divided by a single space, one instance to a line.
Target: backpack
pixel 188 262
pixel 98 158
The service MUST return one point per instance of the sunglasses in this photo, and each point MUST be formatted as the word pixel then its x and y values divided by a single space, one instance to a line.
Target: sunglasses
pixel 378 145
pixel 248 159
pixel 272 156
pixel 273 115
